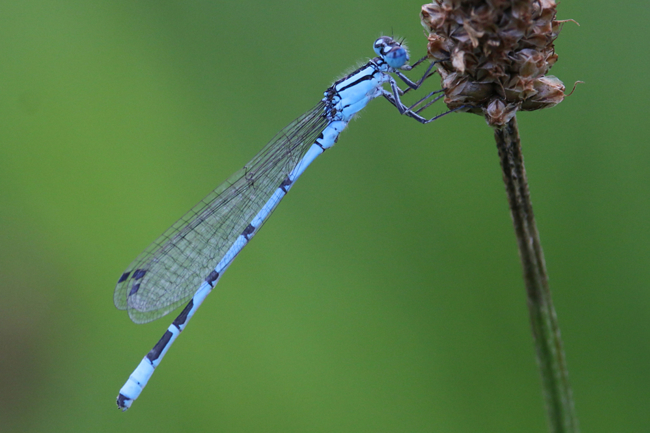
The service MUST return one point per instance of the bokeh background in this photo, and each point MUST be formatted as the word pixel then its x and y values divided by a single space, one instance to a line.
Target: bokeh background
pixel 385 293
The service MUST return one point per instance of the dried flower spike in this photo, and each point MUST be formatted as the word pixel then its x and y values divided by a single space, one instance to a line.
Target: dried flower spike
pixel 494 55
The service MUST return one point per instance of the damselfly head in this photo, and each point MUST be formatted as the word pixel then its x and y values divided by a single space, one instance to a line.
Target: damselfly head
pixel 394 53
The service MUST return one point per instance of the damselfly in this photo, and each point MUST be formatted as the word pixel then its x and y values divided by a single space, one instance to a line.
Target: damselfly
pixel 186 261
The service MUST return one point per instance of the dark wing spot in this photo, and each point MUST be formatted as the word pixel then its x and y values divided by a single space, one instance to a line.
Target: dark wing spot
pixel 134 289
pixel 124 277
pixel 139 273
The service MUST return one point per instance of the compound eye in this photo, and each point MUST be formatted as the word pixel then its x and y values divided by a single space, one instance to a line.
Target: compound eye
pixel 380 44
pixel 396 57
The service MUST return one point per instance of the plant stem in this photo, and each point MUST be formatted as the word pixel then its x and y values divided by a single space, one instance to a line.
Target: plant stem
pixel 546 331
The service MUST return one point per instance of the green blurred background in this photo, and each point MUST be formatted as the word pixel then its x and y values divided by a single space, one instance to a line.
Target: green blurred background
pixel 384 295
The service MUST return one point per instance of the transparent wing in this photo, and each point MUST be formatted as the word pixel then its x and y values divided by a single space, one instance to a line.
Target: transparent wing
pixel 172 268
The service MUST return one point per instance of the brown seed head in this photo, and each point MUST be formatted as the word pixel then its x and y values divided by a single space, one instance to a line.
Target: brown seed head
pixel 494 54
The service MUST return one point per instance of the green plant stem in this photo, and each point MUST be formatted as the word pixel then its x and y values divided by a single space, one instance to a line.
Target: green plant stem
pixel 546 331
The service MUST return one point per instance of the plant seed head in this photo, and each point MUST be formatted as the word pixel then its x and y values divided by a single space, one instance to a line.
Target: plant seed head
pixel 494 55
